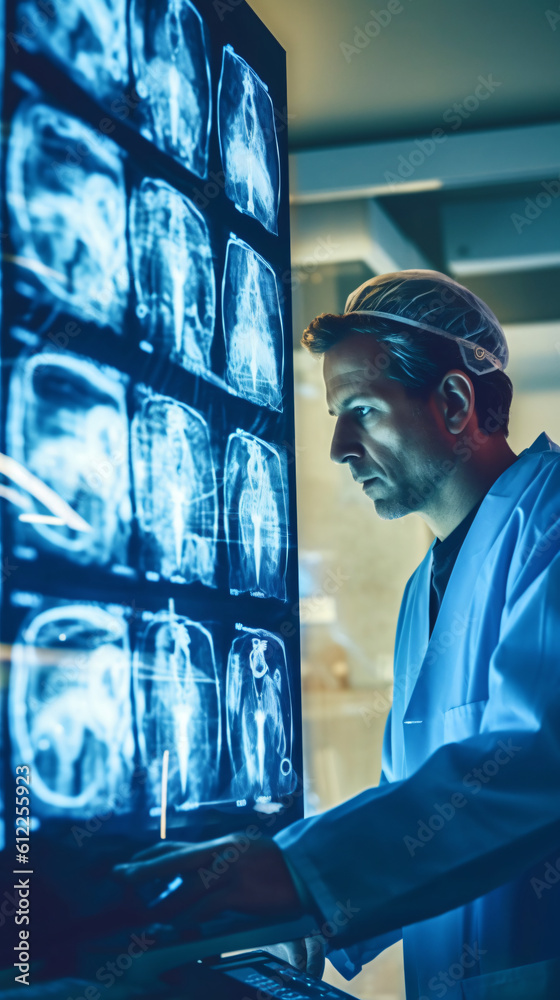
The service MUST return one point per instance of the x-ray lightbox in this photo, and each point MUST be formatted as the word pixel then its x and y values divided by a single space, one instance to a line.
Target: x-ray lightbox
pixel 148 596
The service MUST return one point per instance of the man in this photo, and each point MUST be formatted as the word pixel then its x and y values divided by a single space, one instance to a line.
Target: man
pixel 458 848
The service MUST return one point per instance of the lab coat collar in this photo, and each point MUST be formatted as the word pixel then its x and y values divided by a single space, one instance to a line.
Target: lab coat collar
pixel 542 443
pixel 493 513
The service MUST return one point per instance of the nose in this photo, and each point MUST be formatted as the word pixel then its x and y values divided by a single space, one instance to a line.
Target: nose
pixel 345 444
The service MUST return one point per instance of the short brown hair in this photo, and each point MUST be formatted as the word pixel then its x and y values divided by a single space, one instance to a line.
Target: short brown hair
pixel 418 360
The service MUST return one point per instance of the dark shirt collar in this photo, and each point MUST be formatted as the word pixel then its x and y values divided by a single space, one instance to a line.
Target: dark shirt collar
pixel 444 548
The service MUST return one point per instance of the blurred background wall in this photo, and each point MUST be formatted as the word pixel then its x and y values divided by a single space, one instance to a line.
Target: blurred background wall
pixel 424 133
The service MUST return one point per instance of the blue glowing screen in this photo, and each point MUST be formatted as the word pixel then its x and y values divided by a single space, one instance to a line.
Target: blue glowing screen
pixel 149 590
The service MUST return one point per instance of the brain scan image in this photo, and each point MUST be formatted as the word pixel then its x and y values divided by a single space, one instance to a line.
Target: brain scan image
pixel 67 425
pixel 177 703
pixel 248 142
pixel 88 37
pixel 70 710
pixel 252 323
pixel 175 490
pixel 66 198
pixel 259 717
pixel 255 517
pixel 173 273
pixel 172 74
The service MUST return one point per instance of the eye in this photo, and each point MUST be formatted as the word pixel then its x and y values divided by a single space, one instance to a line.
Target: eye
pixel 363 411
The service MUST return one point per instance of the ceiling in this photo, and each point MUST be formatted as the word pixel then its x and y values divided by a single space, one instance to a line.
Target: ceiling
pixel 346 86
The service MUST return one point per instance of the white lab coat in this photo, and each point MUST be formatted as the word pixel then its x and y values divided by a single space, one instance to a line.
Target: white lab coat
pixel 465 861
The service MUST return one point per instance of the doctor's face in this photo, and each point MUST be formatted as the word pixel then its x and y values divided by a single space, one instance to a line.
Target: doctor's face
pixel 393 442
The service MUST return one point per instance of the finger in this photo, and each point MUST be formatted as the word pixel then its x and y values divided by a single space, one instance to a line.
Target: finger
pixel 315 959
pixel 163 847
pixel 168 866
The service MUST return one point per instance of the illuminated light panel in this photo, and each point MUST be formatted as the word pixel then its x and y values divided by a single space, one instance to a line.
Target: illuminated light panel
pixel 255 517
pixel 259 718
pixel 248 141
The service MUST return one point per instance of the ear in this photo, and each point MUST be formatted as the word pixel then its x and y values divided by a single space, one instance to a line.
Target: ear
pixel 455 400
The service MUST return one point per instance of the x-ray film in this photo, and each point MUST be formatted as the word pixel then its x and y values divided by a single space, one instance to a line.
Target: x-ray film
pixel 175 490
pixel 173 273
pixel 67 425
pixel 88 37
pixel 178 710
pixel 255 517
pixel 252 323
pixel 66 196
pixel 70 710
pixel 172 73
pixel 248 142
pixel 259 717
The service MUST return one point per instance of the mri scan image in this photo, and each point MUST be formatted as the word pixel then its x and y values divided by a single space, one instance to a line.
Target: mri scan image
pixel 88 37
pixel 70 710
pixel 255 517
pixel 173 273
pixel 259 717
pixel 66 198
pixel 177 703
pixel 248 141
pixel 175 490
pixel 67 425
pixel 252 323
pixel 172 75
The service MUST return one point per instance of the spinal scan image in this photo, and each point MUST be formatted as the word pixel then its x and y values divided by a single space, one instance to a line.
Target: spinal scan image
pixel 173 273
pixel 178 709
pixel 259 717
pixel 175 491
pixel 256 517
pixel 69 708
pixel 90 38
pixel 253 326
pixel 66 198
pixel 248 141
pixel 67 425
pixel 172 74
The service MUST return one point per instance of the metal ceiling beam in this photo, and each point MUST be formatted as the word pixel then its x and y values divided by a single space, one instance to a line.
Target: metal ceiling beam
pixel 339 232
pixel 503 234
pixel 443 159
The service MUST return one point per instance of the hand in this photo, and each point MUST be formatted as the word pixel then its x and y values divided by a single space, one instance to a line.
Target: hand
pixel 306 955
pixel 218 876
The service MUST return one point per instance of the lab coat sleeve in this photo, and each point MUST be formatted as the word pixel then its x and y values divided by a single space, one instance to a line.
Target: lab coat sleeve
pixel 381 861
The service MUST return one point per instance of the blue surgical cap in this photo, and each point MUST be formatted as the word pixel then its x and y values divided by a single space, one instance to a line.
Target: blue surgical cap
pixel 429 300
